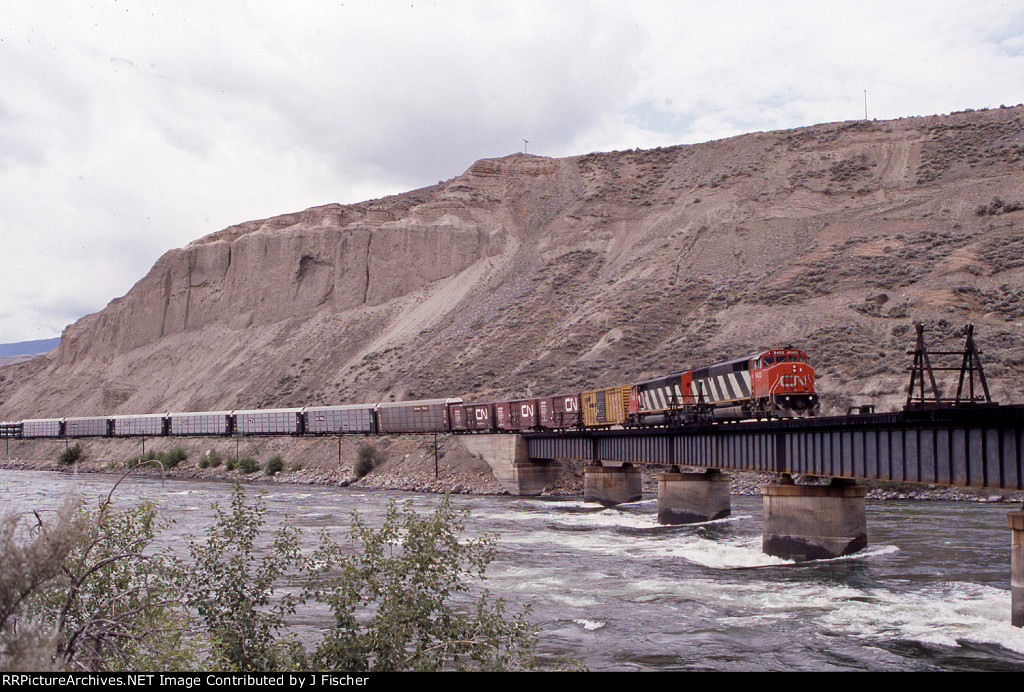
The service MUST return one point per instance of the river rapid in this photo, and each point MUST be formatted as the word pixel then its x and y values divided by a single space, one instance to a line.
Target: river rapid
pixel 617 591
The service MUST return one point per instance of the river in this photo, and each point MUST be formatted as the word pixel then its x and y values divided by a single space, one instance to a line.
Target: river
pixel 619 592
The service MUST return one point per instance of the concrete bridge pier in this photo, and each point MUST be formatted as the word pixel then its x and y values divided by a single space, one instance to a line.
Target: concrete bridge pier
pixel 510 463
pixel 1015 520
pixel 687 498
pixel 813 522
pixel 612 485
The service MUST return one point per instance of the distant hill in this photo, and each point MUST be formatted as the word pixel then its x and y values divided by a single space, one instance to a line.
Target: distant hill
pixel 29 348
pixel 528 275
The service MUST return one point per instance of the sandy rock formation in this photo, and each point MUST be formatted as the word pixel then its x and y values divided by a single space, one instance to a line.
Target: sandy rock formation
pixel 529 275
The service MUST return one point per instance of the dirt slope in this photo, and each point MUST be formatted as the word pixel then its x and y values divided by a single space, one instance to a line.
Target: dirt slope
pixel 529 275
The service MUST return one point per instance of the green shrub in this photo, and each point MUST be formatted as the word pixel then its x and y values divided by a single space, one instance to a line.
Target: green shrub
pixel 248 465
pixel 231 464
pixel 410 593
pixel 402 600
pixel 85 590
pixel 296 466
pixel 275 464
pixel 70 455
pixel 211 459
pixel 172 458
pixel 148 456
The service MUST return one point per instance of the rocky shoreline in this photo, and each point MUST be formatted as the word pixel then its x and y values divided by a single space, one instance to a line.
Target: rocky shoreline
pixel 477 482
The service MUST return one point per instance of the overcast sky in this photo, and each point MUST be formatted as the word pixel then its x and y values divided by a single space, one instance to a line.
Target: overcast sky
pixel 129 128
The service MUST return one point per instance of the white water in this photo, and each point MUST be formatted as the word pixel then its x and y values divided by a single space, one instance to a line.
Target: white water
pixel 618 591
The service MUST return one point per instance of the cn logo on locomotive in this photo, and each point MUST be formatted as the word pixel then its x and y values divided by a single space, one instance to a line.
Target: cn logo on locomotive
pixel 793 381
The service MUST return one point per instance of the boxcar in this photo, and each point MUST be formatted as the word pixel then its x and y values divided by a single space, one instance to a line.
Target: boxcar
pixel 334 420
pixel 427 415
pixel 87 427
pixel 605 407
pixel 201 423
pixel 269 421
pixel 516 415
pixel 472 417
pixel 480 417
pixel 559 412
pixel 146 425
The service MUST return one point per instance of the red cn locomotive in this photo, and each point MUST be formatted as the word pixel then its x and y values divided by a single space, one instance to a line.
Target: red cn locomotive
pixel 768 384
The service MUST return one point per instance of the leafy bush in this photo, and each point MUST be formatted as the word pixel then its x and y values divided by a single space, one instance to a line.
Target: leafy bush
pixel 83 590
pixel 248 465
pixel 168 460
pixel 172 458
pixel 70 455
pixel 274 465
pixel 135 461
pixel 392 599
pixel 235 593
pixel 211 459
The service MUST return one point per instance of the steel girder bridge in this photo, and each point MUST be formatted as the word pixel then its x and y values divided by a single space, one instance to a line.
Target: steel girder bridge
pixel 977 446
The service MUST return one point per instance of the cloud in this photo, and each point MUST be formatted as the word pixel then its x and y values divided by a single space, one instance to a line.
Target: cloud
pixel 127 129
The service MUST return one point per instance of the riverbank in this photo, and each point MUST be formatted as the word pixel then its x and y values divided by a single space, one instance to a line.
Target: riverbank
pixel 411 467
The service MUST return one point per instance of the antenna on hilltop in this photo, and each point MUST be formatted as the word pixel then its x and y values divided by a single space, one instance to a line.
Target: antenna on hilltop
pixel 526 143
pixel 865 104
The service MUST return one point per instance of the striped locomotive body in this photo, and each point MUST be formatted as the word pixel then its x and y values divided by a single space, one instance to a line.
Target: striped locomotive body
pixel 720 384
pixel 722 388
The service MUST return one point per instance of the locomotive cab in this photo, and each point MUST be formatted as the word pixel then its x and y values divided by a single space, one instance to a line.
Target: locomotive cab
pixel 782 384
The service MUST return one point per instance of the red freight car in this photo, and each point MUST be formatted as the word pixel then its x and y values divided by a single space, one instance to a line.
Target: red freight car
pixel 559 412
pixel 472 417
pixel 516 415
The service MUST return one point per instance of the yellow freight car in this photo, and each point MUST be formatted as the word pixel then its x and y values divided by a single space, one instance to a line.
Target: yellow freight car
pixel 605 407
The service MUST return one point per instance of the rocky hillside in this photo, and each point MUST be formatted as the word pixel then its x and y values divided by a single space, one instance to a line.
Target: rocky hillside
pixel 530 275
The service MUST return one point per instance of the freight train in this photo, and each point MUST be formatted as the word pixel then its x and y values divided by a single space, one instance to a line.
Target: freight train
pixel 777 383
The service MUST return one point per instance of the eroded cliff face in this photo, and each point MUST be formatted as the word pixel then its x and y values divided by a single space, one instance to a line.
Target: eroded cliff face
pixel 528 275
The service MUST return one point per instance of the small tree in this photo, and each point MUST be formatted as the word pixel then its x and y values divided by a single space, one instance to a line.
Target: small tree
pixel 248 465
pixel 85 592
pixel 235 593
pixel 395 599
pixel 70 455
pixel 32 560
pixel 172 458
pixel 274 465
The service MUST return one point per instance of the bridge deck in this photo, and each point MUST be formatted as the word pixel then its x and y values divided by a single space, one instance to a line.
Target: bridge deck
pixel 972 447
